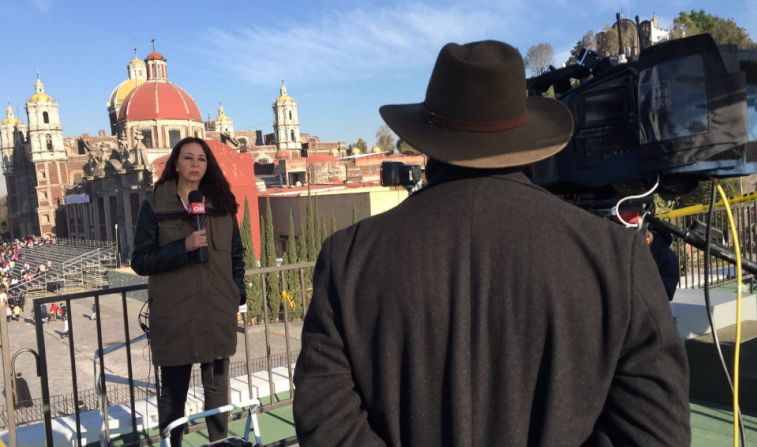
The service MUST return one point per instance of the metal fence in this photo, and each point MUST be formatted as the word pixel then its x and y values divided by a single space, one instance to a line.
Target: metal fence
pixel 65 405
pixel 691 259
pixel 104 395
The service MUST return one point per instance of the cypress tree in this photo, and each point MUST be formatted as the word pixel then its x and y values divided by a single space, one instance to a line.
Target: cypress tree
pixel 262 242
pixel 254 294
pixel 292 276
pixel 272 279
pixel 302 254
pixel 324 233
pixel 310 225
pixel 245 232
pixel 252 282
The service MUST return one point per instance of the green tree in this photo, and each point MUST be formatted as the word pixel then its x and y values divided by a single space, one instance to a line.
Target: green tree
pixel 724 31
pixel 254 296
pixel 302 247
pixel 273 285
pixel 538 58
pixel 404 148
pixel 262 241
pixel 587 41
pixel 310 229
pixel 361 146
pixel 252 282
pixel 701 194
pixel 245 232
pixel 324 232
pixel 293 276
pixel 385 138
pixel 318 233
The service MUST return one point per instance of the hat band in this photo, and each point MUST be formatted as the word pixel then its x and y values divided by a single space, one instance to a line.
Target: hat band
pixel 474 126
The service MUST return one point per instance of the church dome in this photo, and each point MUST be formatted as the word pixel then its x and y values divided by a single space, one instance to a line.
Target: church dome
pixel 159 100
pixel 40 95
pixel 121 91
pixel 136 60
pixel 222 116
pixel 155 56
pixel 284 97
pixel 10 118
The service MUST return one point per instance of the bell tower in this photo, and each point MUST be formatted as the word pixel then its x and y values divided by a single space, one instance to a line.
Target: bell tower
pixel 286 123
pixel 45 130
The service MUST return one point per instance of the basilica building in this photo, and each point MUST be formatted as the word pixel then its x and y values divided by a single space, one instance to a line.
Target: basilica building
pixel 91 187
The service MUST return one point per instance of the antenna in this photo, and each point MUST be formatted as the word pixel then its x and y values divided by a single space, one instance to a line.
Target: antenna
pixel 153 44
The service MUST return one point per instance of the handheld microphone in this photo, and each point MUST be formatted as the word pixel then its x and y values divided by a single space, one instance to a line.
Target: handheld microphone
pixel 196 209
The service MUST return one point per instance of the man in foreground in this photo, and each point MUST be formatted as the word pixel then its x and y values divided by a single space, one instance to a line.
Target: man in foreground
pixel 484 311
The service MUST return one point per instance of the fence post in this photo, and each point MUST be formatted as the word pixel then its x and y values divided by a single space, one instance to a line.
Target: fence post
pixel 10 397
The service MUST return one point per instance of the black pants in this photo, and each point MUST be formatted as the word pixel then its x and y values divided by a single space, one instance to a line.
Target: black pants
pixel 174 384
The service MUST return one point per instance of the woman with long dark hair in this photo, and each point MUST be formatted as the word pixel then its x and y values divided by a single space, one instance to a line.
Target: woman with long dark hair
pixel 193 299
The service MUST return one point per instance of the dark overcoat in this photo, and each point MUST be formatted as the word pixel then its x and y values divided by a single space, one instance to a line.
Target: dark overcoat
pixel 484 312
pixel 193 306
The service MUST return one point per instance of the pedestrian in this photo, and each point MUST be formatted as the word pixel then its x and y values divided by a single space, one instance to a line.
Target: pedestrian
pixel 483 310
pixel 54 311
pixel 17 312
pixel 201 270
pixel 43 313
pixel 65 329
pixel 93 314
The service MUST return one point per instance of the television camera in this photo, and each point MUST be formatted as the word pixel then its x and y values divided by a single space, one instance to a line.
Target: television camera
pixel 683 111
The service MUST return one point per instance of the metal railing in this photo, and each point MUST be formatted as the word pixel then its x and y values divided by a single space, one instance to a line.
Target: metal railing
pixel 75 402
pixel 32 410
pixel 691 259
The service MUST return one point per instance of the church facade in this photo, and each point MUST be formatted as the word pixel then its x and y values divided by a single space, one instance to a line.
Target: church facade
pixel 91 187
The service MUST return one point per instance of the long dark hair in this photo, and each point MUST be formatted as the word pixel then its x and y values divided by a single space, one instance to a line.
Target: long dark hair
pixel 213 184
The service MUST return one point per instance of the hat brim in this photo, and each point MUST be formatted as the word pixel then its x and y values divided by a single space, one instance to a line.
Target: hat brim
pixel 548 128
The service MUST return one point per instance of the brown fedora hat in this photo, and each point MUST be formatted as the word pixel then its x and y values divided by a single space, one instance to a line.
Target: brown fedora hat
pixel 476 113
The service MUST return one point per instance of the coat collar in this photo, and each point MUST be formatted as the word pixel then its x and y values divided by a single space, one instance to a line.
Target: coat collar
pixel 166 199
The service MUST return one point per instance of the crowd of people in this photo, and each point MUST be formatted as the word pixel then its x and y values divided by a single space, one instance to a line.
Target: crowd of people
pixel 12 277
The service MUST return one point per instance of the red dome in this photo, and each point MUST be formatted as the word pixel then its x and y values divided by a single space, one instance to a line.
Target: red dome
pixel 159 100
pixel 155 56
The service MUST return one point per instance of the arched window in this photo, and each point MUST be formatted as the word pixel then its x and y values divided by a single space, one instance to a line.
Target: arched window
pixel 49 139
pixel 292 134
pixel 45 118
pixel 290 114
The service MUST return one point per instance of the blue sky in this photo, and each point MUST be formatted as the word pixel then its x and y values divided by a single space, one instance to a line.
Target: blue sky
pixel 341 59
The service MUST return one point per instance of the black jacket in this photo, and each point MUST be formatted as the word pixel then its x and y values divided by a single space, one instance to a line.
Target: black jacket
pixel 483 312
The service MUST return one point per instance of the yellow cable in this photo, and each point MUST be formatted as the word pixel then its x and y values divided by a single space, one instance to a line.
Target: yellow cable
pixel 737 347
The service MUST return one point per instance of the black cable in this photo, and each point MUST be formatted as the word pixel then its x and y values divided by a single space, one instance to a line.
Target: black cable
pixel 714 331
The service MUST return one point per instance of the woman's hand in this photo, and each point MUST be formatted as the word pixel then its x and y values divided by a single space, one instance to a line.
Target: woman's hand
pixel 197 239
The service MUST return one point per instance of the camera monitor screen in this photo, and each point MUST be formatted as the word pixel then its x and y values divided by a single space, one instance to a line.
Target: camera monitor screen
pixel 602 108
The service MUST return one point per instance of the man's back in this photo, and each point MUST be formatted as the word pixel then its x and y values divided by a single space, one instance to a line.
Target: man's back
pixel 484 311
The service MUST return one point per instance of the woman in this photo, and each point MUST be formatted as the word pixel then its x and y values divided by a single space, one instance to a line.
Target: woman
pixel 192 305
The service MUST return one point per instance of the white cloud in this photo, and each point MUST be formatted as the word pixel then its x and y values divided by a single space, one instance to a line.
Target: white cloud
pixel 43 5
pixel 379 41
